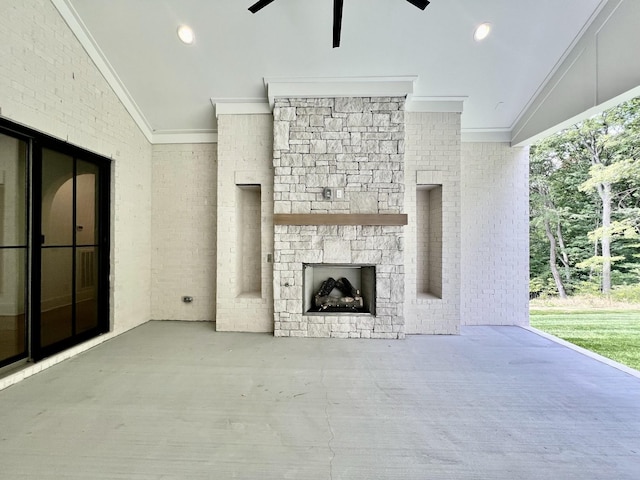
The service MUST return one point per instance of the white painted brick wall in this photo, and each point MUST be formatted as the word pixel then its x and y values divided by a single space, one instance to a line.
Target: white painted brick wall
pixel 184 231
pixel 432 157
pixel 245 149
pixel 49 83
pixel 495 234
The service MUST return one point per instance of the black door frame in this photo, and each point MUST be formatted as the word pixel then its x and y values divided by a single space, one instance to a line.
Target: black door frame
pixel 36 142
pixel 11 130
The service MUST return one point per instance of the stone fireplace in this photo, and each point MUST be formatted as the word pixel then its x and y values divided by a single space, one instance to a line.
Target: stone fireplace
pixel 382 159
pixel 355 147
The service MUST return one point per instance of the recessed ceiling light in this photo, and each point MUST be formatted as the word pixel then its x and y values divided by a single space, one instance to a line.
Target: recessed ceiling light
pixel 185 34
pixel 482 32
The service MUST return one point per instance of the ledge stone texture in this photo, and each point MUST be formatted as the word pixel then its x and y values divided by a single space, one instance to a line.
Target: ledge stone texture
pixel 355 145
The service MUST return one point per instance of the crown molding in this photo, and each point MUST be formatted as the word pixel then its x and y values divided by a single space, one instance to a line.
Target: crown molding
pixel 79 29
pixel 435 104
pixel 318 87
pixel 240 106
pixel 486 135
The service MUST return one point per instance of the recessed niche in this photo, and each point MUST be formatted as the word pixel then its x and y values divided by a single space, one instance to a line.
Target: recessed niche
pixel 248 240
pixel 336 302
pixel 429 240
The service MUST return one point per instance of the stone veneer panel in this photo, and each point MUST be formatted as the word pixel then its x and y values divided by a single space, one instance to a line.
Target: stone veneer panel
pixel 355 145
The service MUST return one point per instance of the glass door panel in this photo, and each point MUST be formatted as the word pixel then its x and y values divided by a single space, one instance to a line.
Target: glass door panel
pixel 13 249
pixel 87 222
pixel 13 322
pixel 74 282
pixel 13 153
pixel 56 315
pixel 57 239
pixel 86 288
pixel 87 240
pixel 57 199
pixel 87 212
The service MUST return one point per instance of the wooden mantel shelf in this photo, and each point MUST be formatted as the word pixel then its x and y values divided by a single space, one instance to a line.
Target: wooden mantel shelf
pixel 386 219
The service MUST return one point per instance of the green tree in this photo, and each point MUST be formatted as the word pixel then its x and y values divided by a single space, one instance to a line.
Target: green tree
pixel 611 144
pixel 585 199
pixel 545 215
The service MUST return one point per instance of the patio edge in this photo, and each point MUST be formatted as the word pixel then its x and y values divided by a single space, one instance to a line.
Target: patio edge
pixel 612 363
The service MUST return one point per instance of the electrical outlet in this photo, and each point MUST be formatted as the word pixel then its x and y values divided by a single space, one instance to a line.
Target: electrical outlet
pixel 187 299
pixel 339 193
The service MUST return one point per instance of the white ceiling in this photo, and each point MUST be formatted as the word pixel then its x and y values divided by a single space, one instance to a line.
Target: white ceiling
pixel 171 84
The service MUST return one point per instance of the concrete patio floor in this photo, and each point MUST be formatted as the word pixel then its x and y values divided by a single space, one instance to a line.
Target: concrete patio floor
pixel 177 400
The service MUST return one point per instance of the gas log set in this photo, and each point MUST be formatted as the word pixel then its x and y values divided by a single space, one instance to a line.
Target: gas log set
pixel 348 300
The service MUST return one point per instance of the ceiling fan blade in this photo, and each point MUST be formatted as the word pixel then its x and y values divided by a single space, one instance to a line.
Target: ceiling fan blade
pixel 259 5
pixel 337 22
pixel 421 4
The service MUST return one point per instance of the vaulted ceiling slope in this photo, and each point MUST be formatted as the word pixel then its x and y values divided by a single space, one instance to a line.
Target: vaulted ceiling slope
pixel 169 85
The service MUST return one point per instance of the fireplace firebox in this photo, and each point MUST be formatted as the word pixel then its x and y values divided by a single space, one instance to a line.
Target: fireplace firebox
pixel 334 289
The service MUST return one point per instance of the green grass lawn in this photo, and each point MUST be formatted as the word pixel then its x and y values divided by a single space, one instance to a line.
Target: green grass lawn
pixel 612 334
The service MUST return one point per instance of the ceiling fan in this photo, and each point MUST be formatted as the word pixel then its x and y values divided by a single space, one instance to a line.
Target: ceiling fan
pixel 337 14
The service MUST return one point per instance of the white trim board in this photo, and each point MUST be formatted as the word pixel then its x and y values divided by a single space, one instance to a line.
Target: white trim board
pixel 316 87
pixel 240 106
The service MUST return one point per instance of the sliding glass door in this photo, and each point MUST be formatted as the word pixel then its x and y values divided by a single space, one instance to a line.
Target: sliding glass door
pixel 70 258
pixel 13 248
pixel 54 245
